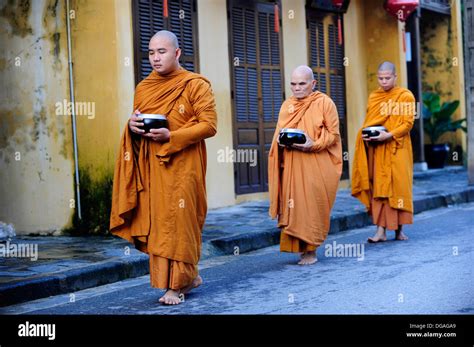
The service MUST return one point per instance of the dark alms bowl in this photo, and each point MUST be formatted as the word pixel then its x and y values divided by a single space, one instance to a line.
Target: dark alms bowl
pixel 373 131
pixel 289 136
pixel 153 121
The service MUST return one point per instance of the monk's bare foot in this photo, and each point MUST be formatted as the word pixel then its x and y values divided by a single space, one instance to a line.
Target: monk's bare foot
pixel 171 297
pixel 308 258
pixel 400 236
pixel 379 236
pixel 196 283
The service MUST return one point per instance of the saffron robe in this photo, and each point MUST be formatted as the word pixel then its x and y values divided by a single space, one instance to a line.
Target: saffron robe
pixel 159 191
pixel 303 185
pixel 388 185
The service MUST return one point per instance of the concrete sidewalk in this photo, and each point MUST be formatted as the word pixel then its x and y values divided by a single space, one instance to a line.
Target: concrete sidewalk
pixel 66 264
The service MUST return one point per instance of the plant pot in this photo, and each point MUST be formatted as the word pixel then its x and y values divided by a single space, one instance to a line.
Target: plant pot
pixel 436 155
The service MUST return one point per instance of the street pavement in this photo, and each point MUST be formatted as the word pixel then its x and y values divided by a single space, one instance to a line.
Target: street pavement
pixel 431 273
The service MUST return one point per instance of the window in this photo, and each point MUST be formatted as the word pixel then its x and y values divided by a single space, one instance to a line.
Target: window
pixel 148 19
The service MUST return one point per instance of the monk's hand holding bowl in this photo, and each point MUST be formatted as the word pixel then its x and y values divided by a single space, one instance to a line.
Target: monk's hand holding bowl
pixel 135 122
pixel 305 147
pixel 383 136
pixel 159 135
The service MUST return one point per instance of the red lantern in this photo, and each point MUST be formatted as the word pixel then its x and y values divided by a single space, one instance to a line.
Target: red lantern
pixel 276 12
pixel 338 4
pixel 401 9
pixel 165 8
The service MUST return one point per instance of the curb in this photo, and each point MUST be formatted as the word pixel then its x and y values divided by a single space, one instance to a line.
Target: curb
pixel 74 280
pixel 252 241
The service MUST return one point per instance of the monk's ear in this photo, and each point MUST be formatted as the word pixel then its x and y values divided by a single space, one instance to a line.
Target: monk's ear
pixel 178 53
pixel 313 85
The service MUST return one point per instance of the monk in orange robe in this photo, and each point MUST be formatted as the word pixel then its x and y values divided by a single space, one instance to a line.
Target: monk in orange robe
pixel 382 173
pixel 303 178
pixel 159 192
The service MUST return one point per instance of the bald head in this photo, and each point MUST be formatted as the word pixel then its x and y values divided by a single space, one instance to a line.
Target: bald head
pixel 386 75
pixel 302 81
pixel 303 71
pixel 387 66
pixel 167 36
pixel 164 52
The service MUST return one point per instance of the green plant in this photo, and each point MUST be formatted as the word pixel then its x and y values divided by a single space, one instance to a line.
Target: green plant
pixel 437 118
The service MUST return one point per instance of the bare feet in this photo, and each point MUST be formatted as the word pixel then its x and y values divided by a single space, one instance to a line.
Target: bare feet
pixel 308 258
pixel 171 297
pixel 196 283
pixel 379 236
pixel 400 236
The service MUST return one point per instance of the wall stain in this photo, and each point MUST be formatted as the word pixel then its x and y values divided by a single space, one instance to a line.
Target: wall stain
pixel 16 12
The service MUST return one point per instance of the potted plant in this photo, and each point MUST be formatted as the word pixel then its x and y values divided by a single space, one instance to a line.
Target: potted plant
pixel 437 120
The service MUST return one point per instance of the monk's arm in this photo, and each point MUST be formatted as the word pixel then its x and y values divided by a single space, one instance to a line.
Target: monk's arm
pixel 407 119
pixel 330 129
pixel 204 109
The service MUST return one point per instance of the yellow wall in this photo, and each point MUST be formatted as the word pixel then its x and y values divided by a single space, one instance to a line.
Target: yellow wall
pixel 442 62
pixel 383 42
pixel 35 191
pixel 214 64
pixel 103 76
pixel 295 42
pixel 356 71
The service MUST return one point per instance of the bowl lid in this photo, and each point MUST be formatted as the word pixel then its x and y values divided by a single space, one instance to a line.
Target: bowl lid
pixel 152 116
pixel 376 127
pixel 291 131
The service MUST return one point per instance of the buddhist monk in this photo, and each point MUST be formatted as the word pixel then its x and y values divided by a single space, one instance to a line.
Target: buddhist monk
pixel 303 178
pixel 382 175
pixel 159 192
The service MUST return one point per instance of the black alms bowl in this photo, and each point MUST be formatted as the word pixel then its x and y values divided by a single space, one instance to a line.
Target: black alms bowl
pixel 290 136
pixel 154 121
pixel 373 131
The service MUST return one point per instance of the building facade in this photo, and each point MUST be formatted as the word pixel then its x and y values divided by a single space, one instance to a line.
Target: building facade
pixel 247 49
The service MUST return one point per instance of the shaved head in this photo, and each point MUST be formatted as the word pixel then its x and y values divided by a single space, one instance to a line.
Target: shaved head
pixel 387 66
pixel 302 81
pixel 164 52
pixel 386 75
pixel 304 71
pixel 168 36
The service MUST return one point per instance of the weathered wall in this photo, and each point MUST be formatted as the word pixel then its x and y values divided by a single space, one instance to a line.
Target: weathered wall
pixel 442 62
pixel 36 175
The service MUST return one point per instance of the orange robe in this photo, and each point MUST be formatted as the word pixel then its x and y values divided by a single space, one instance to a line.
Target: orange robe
pixel 303 185
pixel 159 192
pixel 382 172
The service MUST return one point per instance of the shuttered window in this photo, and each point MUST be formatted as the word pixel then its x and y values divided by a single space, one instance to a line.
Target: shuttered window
pixel 326 58
pixel 257 87
pixel 148 19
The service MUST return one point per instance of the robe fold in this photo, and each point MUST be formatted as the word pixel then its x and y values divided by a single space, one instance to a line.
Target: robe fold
pixel 382 172
pixel 303 185
pixel 159 193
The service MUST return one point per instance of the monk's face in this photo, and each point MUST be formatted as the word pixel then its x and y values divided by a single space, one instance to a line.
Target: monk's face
pixel 386 80
pixel 301 85
pixel 163 55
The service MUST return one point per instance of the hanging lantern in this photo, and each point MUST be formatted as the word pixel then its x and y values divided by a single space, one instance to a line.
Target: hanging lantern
pixel 338 4
pixel 277 18
pixel 165 8
pixel 401 9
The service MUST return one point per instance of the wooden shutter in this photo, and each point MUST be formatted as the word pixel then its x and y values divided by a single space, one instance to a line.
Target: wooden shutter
pixel 326 59
pixel 257 87
pixel 148 19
